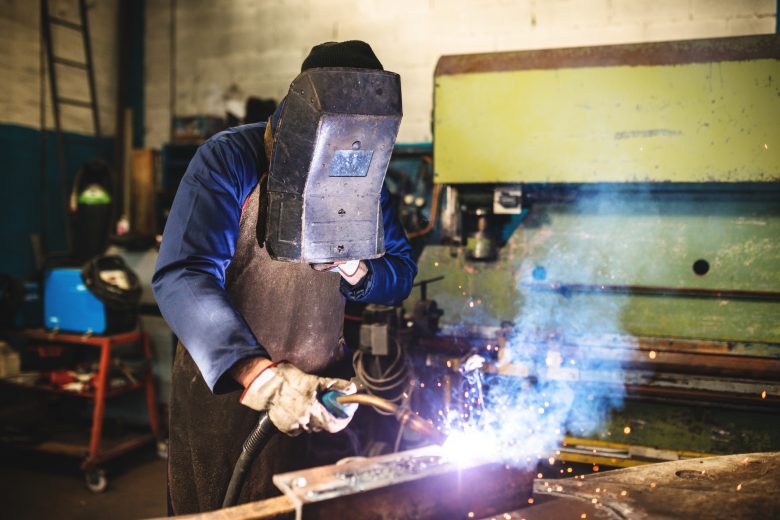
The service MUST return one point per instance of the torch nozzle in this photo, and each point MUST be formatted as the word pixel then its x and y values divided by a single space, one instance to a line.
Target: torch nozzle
pixel 405 417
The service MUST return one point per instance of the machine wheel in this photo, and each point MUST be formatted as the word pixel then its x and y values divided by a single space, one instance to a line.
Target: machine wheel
pixel 96 480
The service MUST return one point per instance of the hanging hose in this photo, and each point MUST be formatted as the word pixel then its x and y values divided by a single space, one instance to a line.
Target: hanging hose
pixel 253 444
pixel 391 381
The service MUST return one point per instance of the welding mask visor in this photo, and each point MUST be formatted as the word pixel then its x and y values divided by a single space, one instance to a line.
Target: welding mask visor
pixel 331 148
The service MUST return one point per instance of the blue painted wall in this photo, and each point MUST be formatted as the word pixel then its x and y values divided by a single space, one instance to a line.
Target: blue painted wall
pixel 20 193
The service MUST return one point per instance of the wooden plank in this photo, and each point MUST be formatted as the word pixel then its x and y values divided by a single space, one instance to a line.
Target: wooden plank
pixel 143 195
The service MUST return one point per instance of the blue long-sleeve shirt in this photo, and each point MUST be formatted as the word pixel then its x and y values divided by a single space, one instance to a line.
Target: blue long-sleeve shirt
pixel 200 239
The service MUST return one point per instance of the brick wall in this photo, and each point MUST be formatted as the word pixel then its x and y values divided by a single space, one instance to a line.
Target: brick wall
pixel 256 48
pixel 20 69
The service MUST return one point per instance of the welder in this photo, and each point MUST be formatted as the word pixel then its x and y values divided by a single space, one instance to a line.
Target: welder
pixel 272 226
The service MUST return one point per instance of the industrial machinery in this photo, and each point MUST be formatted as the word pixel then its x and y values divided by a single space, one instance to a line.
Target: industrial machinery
pixel 599 288
pixel 610 221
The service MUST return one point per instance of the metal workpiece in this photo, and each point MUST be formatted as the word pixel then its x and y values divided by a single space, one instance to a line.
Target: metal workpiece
pixel 420 484
pixel 734 486
pixel 679 111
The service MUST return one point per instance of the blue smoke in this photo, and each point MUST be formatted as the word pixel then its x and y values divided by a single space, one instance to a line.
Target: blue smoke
pixel 558 371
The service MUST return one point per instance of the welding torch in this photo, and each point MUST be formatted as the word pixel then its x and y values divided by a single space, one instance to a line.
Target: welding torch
pixel 334 402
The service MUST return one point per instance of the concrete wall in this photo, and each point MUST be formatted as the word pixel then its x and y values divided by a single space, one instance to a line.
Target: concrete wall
pixel 20 69
pixel 255 48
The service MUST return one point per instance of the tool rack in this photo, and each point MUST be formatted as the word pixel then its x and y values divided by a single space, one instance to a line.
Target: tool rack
pixel 95 452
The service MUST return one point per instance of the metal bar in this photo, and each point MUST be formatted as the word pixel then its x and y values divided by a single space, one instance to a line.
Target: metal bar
pixel 430 484
pixel 685 292
pixel 63 23
pixel 119 449
pixel 70 63
pixel 100 403
pixel 151 400
pixel 90 73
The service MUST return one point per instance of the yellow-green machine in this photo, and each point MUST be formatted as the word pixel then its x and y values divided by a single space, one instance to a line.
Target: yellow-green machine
pixel 622 201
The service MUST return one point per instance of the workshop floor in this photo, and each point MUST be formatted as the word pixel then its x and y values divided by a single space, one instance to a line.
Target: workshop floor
pixel 44 487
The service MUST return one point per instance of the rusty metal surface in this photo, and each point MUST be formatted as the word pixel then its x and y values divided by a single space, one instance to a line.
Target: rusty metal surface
pixel 277 508
pixel 657 53
pixel 734 486
pixel 419 484
pixel 557 508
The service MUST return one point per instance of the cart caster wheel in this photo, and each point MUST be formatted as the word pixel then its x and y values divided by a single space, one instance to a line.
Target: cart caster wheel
pixel 96 480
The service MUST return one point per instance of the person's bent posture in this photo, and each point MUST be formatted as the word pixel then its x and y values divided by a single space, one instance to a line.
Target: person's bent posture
pixel 273 225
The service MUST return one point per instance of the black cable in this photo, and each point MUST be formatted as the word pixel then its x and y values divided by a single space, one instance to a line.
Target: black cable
pixel 253 444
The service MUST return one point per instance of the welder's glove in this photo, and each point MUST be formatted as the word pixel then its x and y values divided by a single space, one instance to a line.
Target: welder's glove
pixel 291 398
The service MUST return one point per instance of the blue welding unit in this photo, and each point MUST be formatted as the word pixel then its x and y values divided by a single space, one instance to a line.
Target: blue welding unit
pixel 69 306
pixel 100 298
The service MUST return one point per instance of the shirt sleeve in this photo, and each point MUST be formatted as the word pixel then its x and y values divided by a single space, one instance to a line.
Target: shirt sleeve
pixel 389 279
pixel 197 245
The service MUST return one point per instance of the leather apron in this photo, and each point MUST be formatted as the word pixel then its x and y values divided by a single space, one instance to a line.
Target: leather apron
pixel 297 314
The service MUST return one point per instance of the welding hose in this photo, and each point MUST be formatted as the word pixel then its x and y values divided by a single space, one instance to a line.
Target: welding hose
pixel 253 444
pixel 260 436
pixel 333 402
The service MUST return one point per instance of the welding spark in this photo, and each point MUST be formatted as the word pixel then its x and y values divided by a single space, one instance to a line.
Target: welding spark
pixel 763 394
pixel 652 354
pixel 739 487
pixel 627 430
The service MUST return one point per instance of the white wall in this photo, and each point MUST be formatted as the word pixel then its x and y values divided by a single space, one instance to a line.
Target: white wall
pixel 20 70
pixel 256 47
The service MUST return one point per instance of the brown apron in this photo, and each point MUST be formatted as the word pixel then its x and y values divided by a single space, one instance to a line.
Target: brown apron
pixel 297 314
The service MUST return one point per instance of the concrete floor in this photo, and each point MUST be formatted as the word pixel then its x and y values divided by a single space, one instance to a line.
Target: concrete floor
pixel 34 487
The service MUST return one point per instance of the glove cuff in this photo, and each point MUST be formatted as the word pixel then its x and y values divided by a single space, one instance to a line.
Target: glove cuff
pixel 262 377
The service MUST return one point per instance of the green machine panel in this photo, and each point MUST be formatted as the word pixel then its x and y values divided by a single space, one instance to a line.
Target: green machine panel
pixel 688 111
pixel 551 272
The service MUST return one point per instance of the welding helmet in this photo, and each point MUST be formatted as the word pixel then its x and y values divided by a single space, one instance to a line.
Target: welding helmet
pixel 332 140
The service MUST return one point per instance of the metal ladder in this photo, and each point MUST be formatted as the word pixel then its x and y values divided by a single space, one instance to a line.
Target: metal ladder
pixel 54 61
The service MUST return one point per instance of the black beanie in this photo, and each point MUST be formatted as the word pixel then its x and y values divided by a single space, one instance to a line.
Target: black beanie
pixel 354 53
